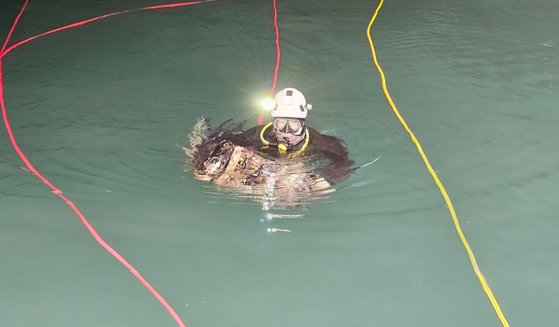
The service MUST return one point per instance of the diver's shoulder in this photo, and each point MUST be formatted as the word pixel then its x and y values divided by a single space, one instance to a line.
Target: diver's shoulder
pixel 254 129
pixel 327 144
pixel 251 136
pixel 251 132
pixel 313 133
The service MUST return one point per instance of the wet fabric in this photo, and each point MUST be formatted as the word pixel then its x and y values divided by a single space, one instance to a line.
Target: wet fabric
pixel 280 182
pixel 329 155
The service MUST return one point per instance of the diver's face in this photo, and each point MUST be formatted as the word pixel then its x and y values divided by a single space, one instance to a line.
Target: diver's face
pixel 289 131
pixel 289 125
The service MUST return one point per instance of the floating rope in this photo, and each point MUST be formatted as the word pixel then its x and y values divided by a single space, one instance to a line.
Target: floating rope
pixel 3 52
pixel 473 261
pixel 278 58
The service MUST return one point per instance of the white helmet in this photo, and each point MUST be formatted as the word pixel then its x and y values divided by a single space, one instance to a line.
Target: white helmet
pixel 290 103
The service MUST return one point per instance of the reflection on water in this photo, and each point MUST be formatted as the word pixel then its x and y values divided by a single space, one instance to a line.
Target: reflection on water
pixel 275 183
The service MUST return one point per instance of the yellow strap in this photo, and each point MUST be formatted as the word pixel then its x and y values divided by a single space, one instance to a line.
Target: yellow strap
pixel 445 195
pixel 266 142
pixel 307 137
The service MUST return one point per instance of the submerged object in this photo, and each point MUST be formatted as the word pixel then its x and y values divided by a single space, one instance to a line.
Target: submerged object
pixel 275 182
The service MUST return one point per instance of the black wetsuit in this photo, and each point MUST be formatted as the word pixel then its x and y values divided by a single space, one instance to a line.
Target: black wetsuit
pixel 319 145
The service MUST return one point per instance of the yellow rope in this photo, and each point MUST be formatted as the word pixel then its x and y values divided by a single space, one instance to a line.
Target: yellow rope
pixel 445 195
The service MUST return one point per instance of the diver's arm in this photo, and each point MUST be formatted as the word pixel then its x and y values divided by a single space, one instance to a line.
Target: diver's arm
pixel 333 149
pixel 338 168
pixel 248 138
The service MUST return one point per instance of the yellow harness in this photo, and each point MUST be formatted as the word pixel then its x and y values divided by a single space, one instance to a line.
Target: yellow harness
pixel 282 147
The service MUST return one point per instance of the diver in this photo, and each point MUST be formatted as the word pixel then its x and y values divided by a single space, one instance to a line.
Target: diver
pixel 288 135
pixel 283 163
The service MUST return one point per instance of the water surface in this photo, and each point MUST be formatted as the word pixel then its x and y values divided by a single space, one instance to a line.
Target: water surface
pixel 103 111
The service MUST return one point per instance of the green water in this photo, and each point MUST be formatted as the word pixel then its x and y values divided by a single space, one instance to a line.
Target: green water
pixel 103 111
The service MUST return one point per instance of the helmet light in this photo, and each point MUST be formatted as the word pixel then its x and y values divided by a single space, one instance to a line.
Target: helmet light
pixel 267 104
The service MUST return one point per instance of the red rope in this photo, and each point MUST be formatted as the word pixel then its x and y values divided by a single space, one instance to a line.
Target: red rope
pixel 91 20
pixel 175 5
pixel 45 181
pixel 278 50
pixel 278 58
pixel 13 26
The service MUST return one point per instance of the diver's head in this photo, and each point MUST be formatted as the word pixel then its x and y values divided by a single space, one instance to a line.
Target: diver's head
pixel 289 116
